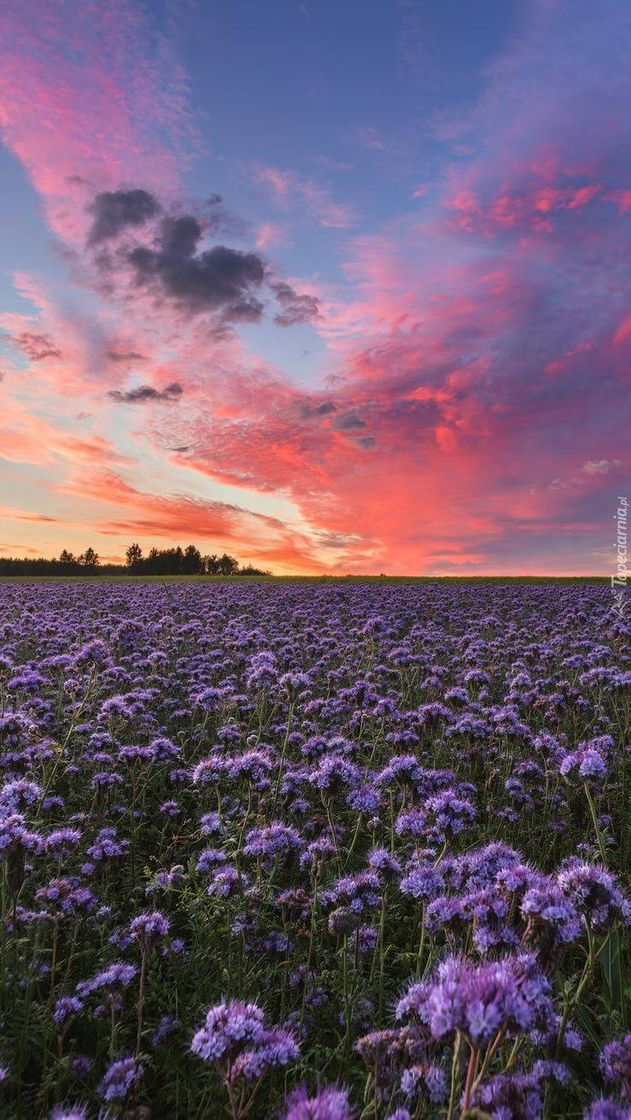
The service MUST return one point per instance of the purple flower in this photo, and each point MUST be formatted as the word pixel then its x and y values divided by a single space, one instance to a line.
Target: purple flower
pixel 587 762
pixel 65 1007
pixel 119 1078
pixel 607 1110
pixel 615 1062
pixel 358 892
pixel 61 839
pixel 425 1080
pixel 226 881
pixel 411 823
pixel 518 1094
pixel 167 1024
pixel 382 861
pixel 107 846
pixel 275 841
pixel 20 791
pixel 148 929
pixel 170 808
pixel 236 1038
pixel 402 770
pixel 210 823
pixel 111 979
pixel 548 910
pixel 81 1065
pixel 595 893
pixel 342 921
pixel 329 1103
pixel 477 999
pixel 334 772
pixel 387 1054
pixel 423 882
pixel 451 814
pixel 209 858
pixel 14 834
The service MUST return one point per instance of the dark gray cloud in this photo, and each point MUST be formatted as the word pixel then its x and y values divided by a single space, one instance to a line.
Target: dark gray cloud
pixel 171 261
pixel 296 308
pixel 124 356
pixel 348 422
pixel 180 237
pixel 114 211
pixel 37 347
pixel 309 411
pixel 218 279
pixel 366 442
pixel 147 393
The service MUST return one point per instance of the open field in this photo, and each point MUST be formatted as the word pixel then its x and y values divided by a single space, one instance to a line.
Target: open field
pixel 306 848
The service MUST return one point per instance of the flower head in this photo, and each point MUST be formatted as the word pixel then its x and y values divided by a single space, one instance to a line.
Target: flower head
pixel 119 1078
pixel 329 1103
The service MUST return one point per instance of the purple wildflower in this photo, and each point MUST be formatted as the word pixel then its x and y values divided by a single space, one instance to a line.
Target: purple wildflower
pixel 119 1078
pixel 236 1039
pixel 615 1062
pixel 477 999
pixel 149 928
pixel 329 1103
pixel 607 1110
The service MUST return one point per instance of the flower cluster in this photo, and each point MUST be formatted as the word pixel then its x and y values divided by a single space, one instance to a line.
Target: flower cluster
pixel 242 823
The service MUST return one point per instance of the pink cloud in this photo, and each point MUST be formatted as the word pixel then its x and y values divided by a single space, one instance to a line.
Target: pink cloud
pixel 88 94
pixel 289 190
pixel 26 437
pixel 457 431
pixel 270 235
pixel 623 332
pixel 219 525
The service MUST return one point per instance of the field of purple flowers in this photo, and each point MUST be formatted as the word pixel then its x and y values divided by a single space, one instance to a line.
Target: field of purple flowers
pixel 314 851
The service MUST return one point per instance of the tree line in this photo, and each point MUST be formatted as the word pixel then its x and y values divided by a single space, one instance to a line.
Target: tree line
pixel 157 562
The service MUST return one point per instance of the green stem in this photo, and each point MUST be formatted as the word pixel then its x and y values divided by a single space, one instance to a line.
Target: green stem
pixel 454 1076
pixel 141 999
pixel 592 809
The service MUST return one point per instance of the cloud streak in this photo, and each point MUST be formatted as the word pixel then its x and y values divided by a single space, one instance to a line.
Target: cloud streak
pixel 144 393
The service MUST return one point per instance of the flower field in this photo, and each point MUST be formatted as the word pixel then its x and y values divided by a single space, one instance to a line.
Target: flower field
pixel 315 851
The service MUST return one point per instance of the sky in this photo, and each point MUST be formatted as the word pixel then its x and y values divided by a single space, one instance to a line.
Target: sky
pixel 335 287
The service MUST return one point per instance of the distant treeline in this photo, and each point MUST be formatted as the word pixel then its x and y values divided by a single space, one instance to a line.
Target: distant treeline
pixel 157 562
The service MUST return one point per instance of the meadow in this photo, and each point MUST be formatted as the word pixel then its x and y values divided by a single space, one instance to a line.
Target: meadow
pixel 327 850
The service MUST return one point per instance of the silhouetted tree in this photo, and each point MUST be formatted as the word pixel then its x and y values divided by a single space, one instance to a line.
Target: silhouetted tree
pixel 192 562
pixel 67 559
pixel 228 566
pixel 158 561
pixel 88 559
pixel 134 557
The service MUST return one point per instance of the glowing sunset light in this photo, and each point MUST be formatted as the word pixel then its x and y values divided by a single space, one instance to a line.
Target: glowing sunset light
pixel 302 285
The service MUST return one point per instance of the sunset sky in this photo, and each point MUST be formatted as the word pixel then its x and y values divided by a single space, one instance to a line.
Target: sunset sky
pixel 331 285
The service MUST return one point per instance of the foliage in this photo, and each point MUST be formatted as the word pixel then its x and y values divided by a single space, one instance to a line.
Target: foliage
pixel 314 851
pixel 159 561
